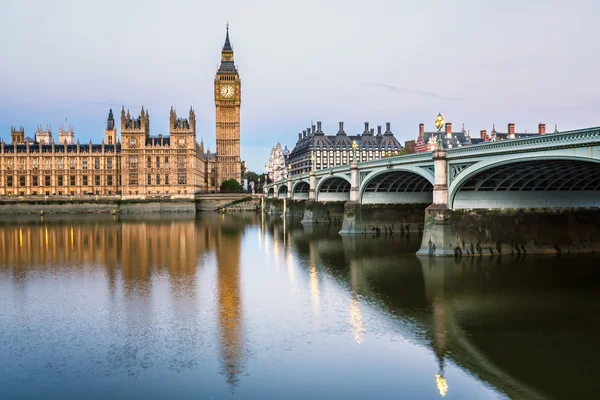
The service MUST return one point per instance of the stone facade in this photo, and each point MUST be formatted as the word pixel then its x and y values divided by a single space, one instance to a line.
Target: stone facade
pixel 160 165
pixel 30 169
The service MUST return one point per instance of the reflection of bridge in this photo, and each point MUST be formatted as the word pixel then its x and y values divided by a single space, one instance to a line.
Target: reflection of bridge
pixel 507 174
pixel 558 171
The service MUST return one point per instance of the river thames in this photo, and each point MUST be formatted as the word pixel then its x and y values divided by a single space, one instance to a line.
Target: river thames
pixel 235 306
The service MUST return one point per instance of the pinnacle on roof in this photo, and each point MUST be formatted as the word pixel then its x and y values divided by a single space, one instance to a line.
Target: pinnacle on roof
pixel 227 45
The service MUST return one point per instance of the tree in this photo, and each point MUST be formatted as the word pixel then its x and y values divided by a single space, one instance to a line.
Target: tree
pixel 231 186
pixel 251 176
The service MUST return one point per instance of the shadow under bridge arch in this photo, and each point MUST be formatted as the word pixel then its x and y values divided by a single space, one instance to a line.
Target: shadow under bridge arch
pixel 300 190
pixel 271 193
pixel 282 192
pixel 397 187
pixel 333 188
pixel 531 184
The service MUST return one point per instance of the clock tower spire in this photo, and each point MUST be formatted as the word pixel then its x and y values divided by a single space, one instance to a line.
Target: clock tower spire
pixel 228 95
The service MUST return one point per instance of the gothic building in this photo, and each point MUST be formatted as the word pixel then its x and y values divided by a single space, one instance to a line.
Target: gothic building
pixel 228 98
pixel 136 165
pixel 333 150
pixel 277 167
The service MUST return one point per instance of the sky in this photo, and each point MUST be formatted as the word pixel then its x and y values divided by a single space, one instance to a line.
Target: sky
pixel 478 62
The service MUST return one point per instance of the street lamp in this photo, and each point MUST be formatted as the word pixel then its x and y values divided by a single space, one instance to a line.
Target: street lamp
pixel 354 147
pixel 312 158
pixel 439 124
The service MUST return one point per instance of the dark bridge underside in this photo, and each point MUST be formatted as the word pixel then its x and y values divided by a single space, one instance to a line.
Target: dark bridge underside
pixel 526 184
pixel 302 187
pixel 334 189
pixel 282 193
pixel 301 191
pixel 399 187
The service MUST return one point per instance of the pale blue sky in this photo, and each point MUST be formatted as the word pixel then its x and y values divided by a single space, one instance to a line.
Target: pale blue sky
pixel 478 62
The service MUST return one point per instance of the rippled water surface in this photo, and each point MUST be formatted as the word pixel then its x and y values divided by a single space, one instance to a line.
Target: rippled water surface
pixel 235 306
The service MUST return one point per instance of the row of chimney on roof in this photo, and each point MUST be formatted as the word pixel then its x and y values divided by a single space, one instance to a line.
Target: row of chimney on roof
pixel 312 130
pixel 511 130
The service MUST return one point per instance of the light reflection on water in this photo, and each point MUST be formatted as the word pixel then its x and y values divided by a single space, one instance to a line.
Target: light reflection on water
pixel 240 306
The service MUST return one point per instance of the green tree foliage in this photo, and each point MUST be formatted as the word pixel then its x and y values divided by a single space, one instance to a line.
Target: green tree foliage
pixel 251 176
pixel 231 186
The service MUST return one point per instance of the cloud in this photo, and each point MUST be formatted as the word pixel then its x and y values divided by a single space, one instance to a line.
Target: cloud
pixel 411 91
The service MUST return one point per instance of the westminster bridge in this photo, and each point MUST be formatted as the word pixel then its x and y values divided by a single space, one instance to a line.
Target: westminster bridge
pixel 534 195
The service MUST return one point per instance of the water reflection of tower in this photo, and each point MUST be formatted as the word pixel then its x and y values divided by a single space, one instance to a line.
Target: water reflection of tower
pixel 229 302
pixel 314 278
pixel 355 316
pixel 434 293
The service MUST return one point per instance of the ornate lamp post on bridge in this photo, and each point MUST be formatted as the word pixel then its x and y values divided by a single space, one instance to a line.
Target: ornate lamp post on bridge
pixel 289 182
pixel 439 124
pixel 354 174
pixel 312 179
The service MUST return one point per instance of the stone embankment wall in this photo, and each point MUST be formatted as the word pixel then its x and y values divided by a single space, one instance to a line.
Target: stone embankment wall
pixel 321 213
pixel 383 218
pixel 243 205
pixel 294 209
pixel 510 232
pixel 101 205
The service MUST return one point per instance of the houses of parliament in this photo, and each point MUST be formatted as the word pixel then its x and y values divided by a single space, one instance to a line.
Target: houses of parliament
pixel 137 164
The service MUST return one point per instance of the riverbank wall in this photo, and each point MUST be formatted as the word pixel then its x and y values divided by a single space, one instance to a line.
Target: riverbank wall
pixel 100 205
pixel 510 232
pixel 323 213
pixel 382 218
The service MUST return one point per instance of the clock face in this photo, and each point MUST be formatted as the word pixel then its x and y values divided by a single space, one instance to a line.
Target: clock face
pixel 227 91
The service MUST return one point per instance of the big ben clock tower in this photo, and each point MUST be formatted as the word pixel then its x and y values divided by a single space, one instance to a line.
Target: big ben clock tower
pixel 228 96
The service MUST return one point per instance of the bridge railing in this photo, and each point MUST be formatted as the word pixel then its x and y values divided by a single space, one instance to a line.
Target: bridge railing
pixel 574 138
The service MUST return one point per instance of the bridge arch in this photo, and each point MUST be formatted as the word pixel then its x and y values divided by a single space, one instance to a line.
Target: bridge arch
pixel 528 182
pixel 333 188
pixel 282 192
pixel 300 190
pixel 271 193
pixel 404 185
